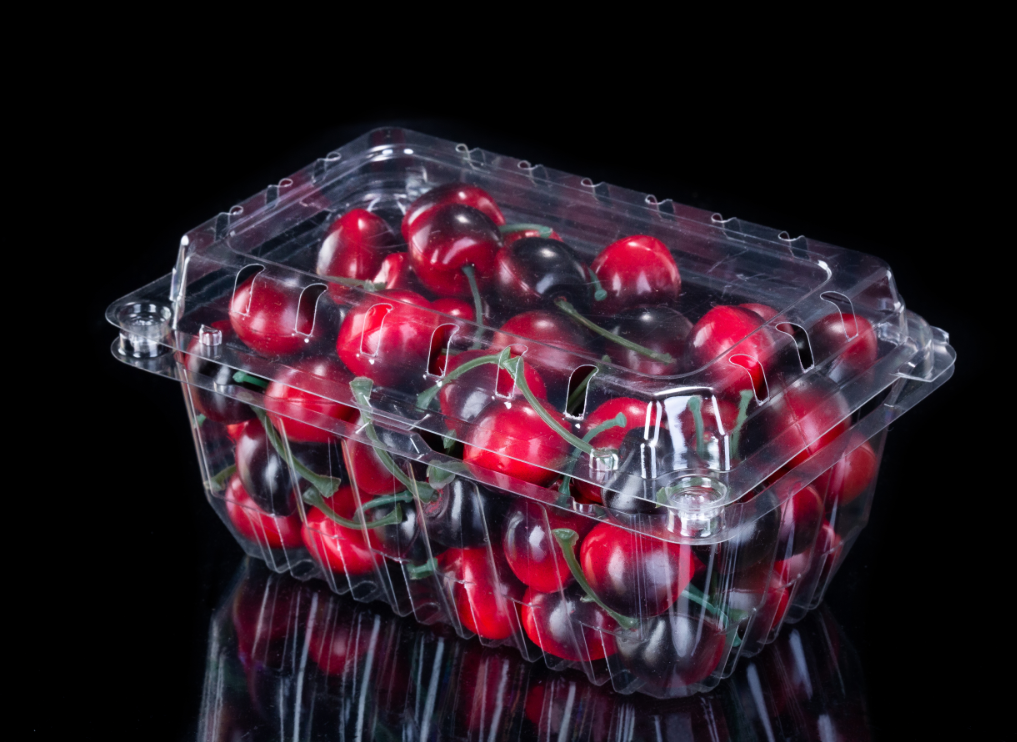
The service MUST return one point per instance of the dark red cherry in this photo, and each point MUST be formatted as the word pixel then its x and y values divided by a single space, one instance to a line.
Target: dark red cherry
pixel 254 524
pixel 800 520
pixel 485 593
pixel 849 477
pixel 642 458
pixel 765 313
pixel 388 337
pixel 660 329
pixel 734 329
pixel 400 540
pixel 422 210
pixel 557 340
pixel 510 439
pixel 848 336
pixel 216 407
pixel 284 398
pixel 354 247
pixel 635 270
pixel 675 651
pixel 562 624
pixel 746 545
pixel 336 547
pixel 636 574
pixel 465 514
pixel 397 273
pixel 532 552
pixel 815 414
pixel 532 272
pixel 367 469
pixel 454 237
pixel 273 317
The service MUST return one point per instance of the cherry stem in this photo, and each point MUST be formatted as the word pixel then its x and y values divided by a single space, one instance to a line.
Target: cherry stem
pixel 618 421
pixel 325 485
pixel 696 408
pixel 420 571
pixel 598 291
pixel 572 312
pixel 427 396
pixel 743 409
pixel 695 595
pixel 540 229
pixel 567 539
pixel 356 283
pixel 315 499
pixel 218 482
pixel 241 377
pixel 378 502
pixel 478 306
pixel 200 420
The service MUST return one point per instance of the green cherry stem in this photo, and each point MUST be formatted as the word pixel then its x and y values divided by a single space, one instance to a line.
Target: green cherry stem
pixel 217 482
pixel 378 502
pixel 361 388
pixel 696 408
pixel 567 539
pixel 478 306
pixel 618 421
pixel 420 571
pixel 743 409
pixel 540 229
pixel 572 312
pixel 598 291
pixel 242 377
pixel 325 485
pixel 427 396
pixel 313 498
pixel 695 595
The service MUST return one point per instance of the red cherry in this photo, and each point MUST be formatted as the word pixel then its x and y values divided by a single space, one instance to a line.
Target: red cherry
pixel 507 238
pixel 354 247
pixel 635 270
pixel 388 337
pixel 216 407
pixel 556 341
pixel 234 431
pixel 815 417
pixel 831 335
pixel 422 210
pixel 561 624
pixel 335 547
pixel 534 555
pixel 333 642
pixel 725 328
pixel 800 520
pixel 254 524
pixel 453 238
pixel 849 477
pixel 283 399
pixel 635 574
pixel 485 594
pixel 460 332
pixel 511 440
pixel 397 273
pixel 765 313
pixel 268 316
pixel 367 470
pixel 714 428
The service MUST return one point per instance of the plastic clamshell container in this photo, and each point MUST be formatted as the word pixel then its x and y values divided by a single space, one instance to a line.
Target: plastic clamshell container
pixel 646 510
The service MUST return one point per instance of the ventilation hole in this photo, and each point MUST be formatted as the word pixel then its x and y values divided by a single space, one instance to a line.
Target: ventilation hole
pixel 245 273
pixel 462 148
pixel 441 344
pixel 801 338
pixel 756 375
pixel 844 306
pixel 286 182
pixel 524 165
pixel 236 210
pixel 784 236
pixel 333 157
pixel 579 387
pixel 373 320
pixel 587 182
pixel 307 308
pixel 652 200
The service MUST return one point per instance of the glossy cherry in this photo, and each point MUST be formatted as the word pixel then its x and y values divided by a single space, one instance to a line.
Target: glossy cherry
pixel 849 477
pixel 562 624
pixel 465 514
pixel 216 407
pixel 532 272
pixel 512 440
pixel 485 594
pixel 284 398
pixel 676 651
pixel 557 341
pixel 354 247
pixel 334 546
pixel 367 469
pixel 632 490
pixel 848 336
pixel 635 574
pixel 254 524
pixel 273 317
pixel 635 270
pixel 800 520
pixel 397 273
pixel 423 209
pixel 660 329
pixel 388 337
pixel 766 313
pixel 734 329
pixel 453 238
pixel 532 552
pixel 815 414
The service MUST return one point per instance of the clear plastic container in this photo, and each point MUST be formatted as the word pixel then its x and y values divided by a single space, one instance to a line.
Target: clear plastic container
pixel 654 447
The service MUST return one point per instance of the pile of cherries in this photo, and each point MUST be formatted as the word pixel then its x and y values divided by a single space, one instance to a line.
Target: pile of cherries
pixel 483 321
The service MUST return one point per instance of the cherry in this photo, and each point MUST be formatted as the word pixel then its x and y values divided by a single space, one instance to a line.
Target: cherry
pixel 716 420
pixel 268 315
pixel 816 415
pixel 397 273
pixel 676 651
pixel 334 546
pixel 354 247
pixel 556 341
pixel 254 524
pixel 423 209
pixel 216 407
pixel 561 624
pixel 532 552
pixel 765 312
pixel 724 328
pixel 849 477
pixel 283 398
pixel 399 540
pixel 636 574
pixel 234 431
pixel 334 642
pixel 512 440
pixel 761 590
pixel 848 336
pixel 368 470
pixel 455 237
pixel 635 270
pixel 485 594
pixel 465 514
pixel 642 459
pixel 532 272
pixel 660 329
pixel 388 337
pixel 800 520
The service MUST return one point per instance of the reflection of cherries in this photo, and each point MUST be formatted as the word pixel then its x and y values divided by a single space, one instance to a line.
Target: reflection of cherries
pixel 534 555
pixel 423 209
pixel 469 394
pixel 354 247
pixel 282 398
pixel 635 574
pixel 465 514
pixel 660 329
pixel 255 524
pixel 532 272
pixel 269 317
pixel 800 519
pixel 334 546
pixel 334 640
pixel 676 651
pixel 561 624
pixel 724 328
pixel 388 337
pixel 635 270
pixel 557 339
pixel 830 336
pixel 217 407
pixel 454 237
pixel 512 440
pixel 485 595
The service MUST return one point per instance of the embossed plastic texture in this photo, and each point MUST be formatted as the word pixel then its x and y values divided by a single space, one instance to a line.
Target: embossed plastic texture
pixel 621 434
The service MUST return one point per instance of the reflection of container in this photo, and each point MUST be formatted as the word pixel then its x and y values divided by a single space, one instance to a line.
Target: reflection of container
pixel 742 472
pixel 291 660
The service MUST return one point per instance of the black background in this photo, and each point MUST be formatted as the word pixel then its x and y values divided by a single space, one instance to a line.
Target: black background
pixel 121 615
